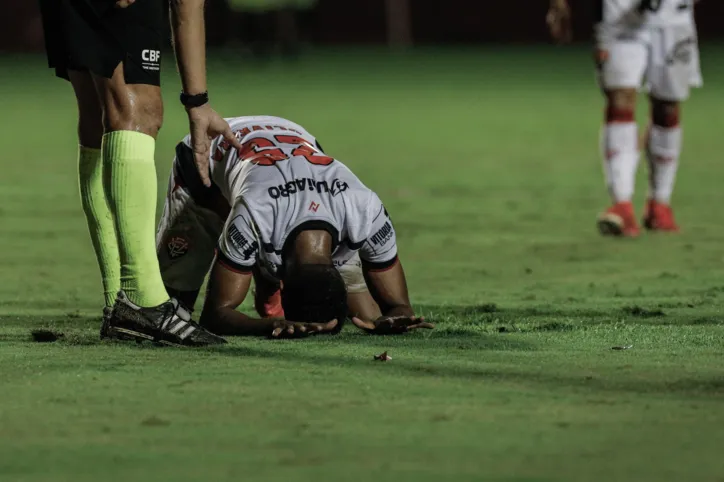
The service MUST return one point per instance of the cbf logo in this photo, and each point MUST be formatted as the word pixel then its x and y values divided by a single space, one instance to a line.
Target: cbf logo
pixel 151 55
pixel 151 59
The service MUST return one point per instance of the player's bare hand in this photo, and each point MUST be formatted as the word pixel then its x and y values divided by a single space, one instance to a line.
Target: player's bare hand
pixel 124 3
pixel 392 325
pixel 559 21
pixel 205 125
pixel 290 329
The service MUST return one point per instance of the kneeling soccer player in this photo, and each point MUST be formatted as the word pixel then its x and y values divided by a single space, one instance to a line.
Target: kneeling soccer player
pixel 312 236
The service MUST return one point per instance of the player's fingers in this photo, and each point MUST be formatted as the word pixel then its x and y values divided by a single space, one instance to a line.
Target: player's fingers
pixel 361 324
pixel 231 138
pixel 202 164
pixel 276 332
pixel 312 328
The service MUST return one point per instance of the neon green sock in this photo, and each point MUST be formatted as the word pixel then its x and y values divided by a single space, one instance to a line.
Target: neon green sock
pixel 129 176
pixel 100 221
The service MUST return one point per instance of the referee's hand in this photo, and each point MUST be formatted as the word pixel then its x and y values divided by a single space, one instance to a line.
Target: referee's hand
pixel 206 125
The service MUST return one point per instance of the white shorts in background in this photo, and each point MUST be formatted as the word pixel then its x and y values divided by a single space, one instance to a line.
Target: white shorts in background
pixel 663 60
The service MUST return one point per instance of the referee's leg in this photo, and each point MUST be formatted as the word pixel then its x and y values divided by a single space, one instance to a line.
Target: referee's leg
pixel 90 179
pixel 132 117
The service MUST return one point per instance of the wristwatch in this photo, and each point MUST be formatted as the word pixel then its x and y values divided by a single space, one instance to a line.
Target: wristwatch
pixel 195 100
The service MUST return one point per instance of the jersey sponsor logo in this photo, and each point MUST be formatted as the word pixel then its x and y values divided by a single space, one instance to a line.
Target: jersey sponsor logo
pixel 384 234
pixel 307 184
pixel 681 52
pixel 246 248
pixel 177 246
pixel 314 206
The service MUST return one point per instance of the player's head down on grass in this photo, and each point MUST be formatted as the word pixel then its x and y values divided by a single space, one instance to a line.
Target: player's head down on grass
pixel 312 289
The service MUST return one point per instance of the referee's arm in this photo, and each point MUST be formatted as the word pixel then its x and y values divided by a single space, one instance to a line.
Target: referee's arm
pixel 189 35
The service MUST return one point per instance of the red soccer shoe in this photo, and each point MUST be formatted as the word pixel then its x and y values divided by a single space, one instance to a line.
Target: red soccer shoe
pixel 619 220
pixel 659 217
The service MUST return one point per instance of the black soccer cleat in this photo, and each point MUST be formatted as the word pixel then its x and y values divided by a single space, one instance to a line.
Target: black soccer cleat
pixel 168 323
pixel 106 331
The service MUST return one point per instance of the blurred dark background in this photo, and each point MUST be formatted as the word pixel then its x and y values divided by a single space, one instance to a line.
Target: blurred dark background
pixel 295 23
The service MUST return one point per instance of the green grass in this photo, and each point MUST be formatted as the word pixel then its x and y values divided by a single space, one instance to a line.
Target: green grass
pixel 487 161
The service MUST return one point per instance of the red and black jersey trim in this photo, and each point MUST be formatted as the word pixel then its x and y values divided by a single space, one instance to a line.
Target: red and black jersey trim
pixel 379 267
pixel 231 264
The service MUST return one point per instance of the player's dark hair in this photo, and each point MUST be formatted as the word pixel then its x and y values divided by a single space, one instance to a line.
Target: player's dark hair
pixel 314 293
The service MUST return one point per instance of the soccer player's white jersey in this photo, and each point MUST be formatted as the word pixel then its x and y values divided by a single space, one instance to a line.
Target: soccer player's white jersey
pixel 225 164
pixel 658 13
pixel 282 183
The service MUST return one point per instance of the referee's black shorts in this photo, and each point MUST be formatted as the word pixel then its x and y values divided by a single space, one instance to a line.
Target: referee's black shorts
pixel 94 36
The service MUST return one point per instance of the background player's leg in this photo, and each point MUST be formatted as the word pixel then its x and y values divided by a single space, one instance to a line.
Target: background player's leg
pixel 620 144
pixel 663 148
pixel 132 117
pixel 90 177
pixel 620 160
pixel 622 65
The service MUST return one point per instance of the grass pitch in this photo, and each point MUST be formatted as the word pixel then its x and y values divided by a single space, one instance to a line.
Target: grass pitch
pixel 487 162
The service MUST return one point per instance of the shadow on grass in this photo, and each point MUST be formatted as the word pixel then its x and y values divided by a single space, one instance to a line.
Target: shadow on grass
pixel 549 318
pixel 553 379
pixel 443 363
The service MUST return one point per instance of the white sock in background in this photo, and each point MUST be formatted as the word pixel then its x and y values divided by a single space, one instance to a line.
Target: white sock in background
pixel 620 159
pixel 663 149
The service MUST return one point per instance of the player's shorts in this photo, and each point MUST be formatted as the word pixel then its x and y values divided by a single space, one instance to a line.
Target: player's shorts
pixel 186 238
pixel 94 36
pixel 188 234
pixel 663 60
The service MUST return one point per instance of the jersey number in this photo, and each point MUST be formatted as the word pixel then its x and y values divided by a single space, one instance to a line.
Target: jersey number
pixel 264 152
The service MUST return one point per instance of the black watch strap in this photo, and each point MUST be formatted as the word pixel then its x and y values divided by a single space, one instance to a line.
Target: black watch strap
pixel 195 100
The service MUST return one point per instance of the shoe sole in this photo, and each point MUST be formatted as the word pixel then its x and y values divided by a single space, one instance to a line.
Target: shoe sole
pixel 610 224
pixel 140 337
